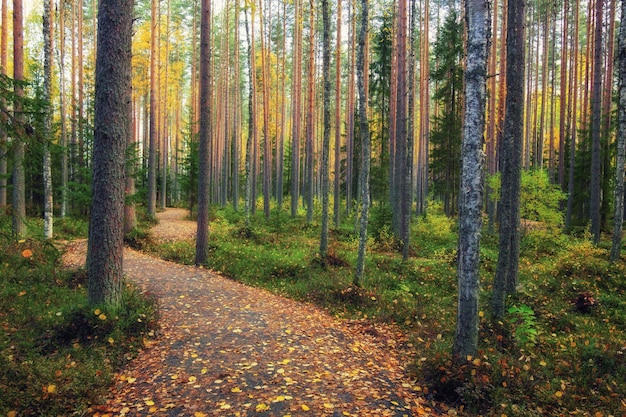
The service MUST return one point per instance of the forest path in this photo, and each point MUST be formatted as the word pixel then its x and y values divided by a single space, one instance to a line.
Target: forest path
pixel 226 349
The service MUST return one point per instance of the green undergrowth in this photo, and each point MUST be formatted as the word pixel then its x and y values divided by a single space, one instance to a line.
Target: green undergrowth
pixel 57 355
pixel 559 349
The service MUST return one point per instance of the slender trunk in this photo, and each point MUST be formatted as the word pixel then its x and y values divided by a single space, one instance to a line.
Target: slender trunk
pixel 563 125
pixel 337 169
pixel 505 280
pixel 361 69
pixel 152 153
pixel 62 110
pixel 267 141
pixel 326 138
pixel 471 196
pixel 618 221
pixel 350 113
pixel 573 119
pixel 310 121
pixel 596 113
pixel 236 114
pixel 296 108
pixel 19 181
pixel 4 58
pixel 202 234
pixel 48 36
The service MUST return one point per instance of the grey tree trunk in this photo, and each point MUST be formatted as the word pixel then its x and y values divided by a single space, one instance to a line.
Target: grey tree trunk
pixel 152 152
pixel 4 58
pixel 618 221
pixel 505 279
pixel 19 182
pixel 596 113
pixel 365 140
pixel 48 36
pixel 111 130
pixel 202 234
pixel 326 137
pixel 471 192
pixel 337 184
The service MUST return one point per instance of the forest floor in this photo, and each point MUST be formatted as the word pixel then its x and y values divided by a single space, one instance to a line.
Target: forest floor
pixel 226 349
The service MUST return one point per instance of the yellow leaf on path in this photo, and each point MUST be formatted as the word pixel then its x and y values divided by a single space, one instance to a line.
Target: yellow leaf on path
pixel 262 407
pixel 236 389
pixel 279 399
pixel 12 414
pixel 558 394
pixel 51 389
pixel 305 407
pixel 204 371
pixel 543 363
pixel 328 405
pixel 199 414
pixel 130 380
pixel 149 402
pixel 102 316
pixel 225 406
pixel 192 379
pixel 153 409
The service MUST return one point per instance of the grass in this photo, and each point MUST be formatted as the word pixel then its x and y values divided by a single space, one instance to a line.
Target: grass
pixel 57 356
pixel 546 357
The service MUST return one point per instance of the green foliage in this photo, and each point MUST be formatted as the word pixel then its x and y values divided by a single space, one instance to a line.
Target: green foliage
pixel 523 319
pixel 57 356
pixel 540 200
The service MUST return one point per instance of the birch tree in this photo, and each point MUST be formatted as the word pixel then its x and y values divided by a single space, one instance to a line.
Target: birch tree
pixel 48 36
pixel 471 191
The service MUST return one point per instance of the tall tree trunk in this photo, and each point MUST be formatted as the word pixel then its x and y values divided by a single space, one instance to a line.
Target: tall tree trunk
pixel 202 233
pixel 152 152
pixel 564 104
pixel 4 58
pixel 401 205
pixel 596 114
pixel 350 111
pixel 618 222
pixel 505 279
pixel 267 141
pixel 337 169
pixel 326 138
pixel 48 36
pixel 310 119
pixel 165 135
pixel 471 196
pixel 365 141
pixel 424 132
pixel 605 129
pixel 19 181
pixel 111 131
pixel 237 113
pixel 280 151
pixel 62 110
pixel 296 107
pixel 573 119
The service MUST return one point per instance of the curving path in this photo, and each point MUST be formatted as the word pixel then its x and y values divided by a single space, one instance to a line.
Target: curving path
pixel 226 349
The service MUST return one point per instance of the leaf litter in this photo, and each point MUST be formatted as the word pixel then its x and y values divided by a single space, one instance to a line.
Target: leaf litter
pixel 226 349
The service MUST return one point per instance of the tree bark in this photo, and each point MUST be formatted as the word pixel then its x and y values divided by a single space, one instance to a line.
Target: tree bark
pixel 471 192
pixel 596 114
pixel 19 181
pixel 337 168
pixel 152 152
pixel 296 107
pixel 365 141
pixel 111 131
pixel 326 133
pixel 618 222
pixel 4 58
pixel 202 234
pixel 505 280
pixel 48 36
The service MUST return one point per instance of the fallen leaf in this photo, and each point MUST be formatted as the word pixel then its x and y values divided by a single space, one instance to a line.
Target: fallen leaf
pixel 51 389
pixel 305 407
pixel 149 402
pixel 262 407
pixel 199 414
pixel 236 389
pixel 27 253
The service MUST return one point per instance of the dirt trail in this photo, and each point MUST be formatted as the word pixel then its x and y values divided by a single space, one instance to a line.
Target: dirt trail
pixel 226 349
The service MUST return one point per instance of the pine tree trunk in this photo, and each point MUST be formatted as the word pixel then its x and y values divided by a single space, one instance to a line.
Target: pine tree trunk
pixel 326 133
pixel 62 110
pixel 19 181
pixel 505 280
pixel 350 112
pixel 337 168
pixel 202 234
pixel 596 113
pixel 111 132
pixel 365 141
pixel 4 55
pixel 620 161
pixel 471 195
pixel 310 119
pixel 48 36
pixel 152 152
